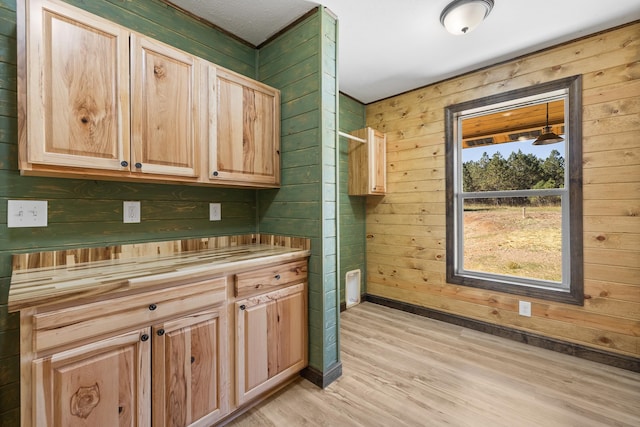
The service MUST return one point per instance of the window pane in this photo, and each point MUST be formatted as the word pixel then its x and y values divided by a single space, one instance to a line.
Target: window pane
pixel 514 236
pixel 497 156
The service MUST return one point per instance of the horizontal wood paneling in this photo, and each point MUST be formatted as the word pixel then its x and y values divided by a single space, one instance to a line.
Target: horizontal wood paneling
pixel 9 397
pixel 169 25
pixel 85 213
pixel 405 230
pixel 291 63
pixel 300 63
pixel 63 257
pixel 10 369
pixel 330 161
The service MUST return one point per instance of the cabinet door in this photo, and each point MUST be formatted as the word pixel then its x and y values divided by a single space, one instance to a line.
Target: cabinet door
pixel 378 163
pixel 271 340
pixel 368 163
pixel 189 370
pixel 245 139
pixel 165 109
pixel 105 383
pixel 77 106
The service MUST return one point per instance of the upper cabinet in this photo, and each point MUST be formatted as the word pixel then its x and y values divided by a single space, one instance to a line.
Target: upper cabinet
pixel 78 90
pixel 368 163
pixel 165 112
pixel 246 147
pixel 100 101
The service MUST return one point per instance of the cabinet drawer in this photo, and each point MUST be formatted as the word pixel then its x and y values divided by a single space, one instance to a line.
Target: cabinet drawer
pixel 268 278
pixel 64 326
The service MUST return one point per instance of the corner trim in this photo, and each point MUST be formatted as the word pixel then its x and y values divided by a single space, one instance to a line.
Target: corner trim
pixel 322 379
pixel 595 355
pixel 309 13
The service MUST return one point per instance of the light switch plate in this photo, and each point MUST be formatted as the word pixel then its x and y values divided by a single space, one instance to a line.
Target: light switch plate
pixel 130 212
pixel 215 212
pixel 26 213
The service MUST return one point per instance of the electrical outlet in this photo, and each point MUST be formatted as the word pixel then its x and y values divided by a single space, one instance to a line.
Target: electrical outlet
pixel 215 212
pixel 524 308
pixel 26 213
pixel 130 212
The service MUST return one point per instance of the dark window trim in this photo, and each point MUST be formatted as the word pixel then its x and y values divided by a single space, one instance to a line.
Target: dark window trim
pixel 575 295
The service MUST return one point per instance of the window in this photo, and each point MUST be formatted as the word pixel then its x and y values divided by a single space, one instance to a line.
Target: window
pixel 514 209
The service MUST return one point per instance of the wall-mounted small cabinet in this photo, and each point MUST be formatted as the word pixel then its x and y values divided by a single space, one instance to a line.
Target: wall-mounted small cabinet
pixel 99 101
pixel 245 133
pixel 367 163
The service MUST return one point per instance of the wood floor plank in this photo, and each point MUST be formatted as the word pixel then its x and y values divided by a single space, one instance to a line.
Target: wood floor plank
pixel 401 369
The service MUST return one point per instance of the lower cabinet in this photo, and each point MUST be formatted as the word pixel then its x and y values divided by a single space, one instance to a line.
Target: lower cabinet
pixel 271 339
pixel 105 383
pixel 165 357
pixel 188 370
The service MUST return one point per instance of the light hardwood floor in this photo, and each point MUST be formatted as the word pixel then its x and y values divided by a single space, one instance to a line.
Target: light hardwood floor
pixel 405 370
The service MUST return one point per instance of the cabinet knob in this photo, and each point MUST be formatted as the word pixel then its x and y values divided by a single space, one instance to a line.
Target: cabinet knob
pixel 193 359
pixel 215 173
pixel 160 332
pixel 144 337
pixel 152 307
pixel 124 163
pixel 138 165
pixel 243 307
pixel 277 277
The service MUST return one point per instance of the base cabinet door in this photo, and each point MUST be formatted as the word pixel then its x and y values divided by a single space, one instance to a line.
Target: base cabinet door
pixel 105 383
pixel 189 374
pixel 271 340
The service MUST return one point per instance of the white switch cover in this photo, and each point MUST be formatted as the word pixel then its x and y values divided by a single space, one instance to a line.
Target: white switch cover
pixel 215 212
pixel 26 213
pixel 524 308
pixel 131 212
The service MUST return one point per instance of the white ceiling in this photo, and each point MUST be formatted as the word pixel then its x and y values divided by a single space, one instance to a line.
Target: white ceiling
pixel 387 47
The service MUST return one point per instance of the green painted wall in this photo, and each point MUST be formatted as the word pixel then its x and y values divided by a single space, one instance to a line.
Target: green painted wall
pixel 84 213
pixel 89 213
pixel 352 208
pixel 302 64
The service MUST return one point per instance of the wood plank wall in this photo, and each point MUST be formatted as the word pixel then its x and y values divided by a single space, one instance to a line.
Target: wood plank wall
pixel 294 63
pixel 352 208
pixel 406 229
pixel 89 213
pixel 329 164
pixel 69 257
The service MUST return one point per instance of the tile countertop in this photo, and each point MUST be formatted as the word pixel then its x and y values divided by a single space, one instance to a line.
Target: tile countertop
pixel 40 286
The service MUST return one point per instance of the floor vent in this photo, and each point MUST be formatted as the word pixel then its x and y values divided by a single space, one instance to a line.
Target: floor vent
pixel 352 287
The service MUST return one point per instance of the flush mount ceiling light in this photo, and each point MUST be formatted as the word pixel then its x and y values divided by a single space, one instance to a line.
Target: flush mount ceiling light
pixel 462 16
pixel 547 137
